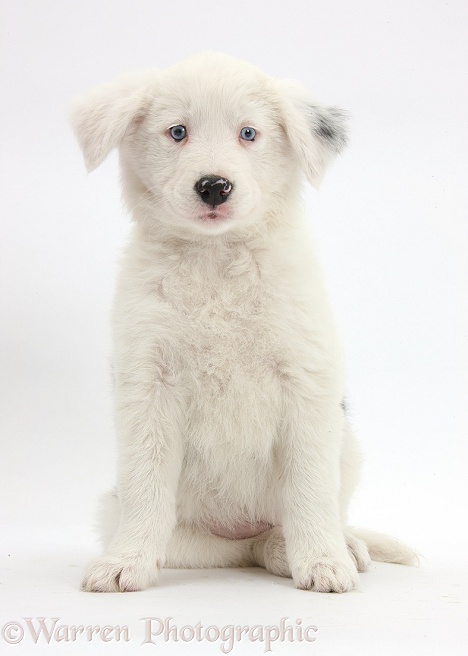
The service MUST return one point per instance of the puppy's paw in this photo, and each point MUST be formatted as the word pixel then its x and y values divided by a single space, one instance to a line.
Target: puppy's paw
pixel 120 574
pixel 326 574
pixel 359 552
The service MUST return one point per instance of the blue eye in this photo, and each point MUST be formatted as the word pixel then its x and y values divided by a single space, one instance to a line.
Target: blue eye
pixel 247 134
pixel 178 132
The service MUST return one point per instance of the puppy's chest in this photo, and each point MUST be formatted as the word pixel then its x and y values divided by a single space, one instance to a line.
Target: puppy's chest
pixel 225 315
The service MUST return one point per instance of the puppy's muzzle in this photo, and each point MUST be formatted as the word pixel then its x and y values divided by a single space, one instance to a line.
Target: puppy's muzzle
pixel 213 189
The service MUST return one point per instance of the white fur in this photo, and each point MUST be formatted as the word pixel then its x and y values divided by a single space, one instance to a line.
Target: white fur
pixel 228 375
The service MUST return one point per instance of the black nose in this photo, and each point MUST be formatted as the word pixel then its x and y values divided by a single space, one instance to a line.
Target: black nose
pixel 213 190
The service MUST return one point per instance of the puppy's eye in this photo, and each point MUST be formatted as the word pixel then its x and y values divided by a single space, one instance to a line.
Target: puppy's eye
pixel 247 134
pixel 178 132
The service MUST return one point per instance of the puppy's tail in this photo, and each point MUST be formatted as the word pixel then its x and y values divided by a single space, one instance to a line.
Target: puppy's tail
pixel 384 548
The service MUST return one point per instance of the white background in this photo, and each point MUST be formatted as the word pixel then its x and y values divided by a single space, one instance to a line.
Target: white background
pixel 391 218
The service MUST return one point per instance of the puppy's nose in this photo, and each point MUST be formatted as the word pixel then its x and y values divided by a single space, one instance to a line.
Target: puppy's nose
pixel 213 189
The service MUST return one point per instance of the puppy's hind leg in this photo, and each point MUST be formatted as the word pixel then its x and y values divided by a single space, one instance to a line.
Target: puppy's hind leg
pixel 270 552
pixel 192 547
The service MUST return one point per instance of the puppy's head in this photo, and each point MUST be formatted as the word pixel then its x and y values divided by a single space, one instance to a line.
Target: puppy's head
pixel 209 145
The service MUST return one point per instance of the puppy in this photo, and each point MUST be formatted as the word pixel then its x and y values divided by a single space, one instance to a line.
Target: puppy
pixel 234 446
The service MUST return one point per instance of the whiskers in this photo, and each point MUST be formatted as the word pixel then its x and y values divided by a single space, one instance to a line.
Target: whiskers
pixel 144 209
pixel 152 192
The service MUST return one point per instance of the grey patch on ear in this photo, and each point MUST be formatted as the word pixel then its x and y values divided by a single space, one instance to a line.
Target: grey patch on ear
pixel 329 124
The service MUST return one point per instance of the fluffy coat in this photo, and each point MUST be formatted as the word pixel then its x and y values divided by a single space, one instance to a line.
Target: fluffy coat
pixel 234 446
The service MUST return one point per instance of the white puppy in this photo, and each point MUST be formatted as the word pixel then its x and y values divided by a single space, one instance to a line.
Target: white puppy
pixel 234 448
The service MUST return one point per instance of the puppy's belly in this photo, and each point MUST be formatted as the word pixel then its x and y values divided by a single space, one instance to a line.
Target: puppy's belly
pixel 240 531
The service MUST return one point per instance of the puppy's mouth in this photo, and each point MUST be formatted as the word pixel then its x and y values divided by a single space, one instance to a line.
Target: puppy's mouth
pixel 213 216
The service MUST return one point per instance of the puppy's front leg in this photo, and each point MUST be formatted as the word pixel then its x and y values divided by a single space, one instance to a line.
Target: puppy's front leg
pixel 149 424
pixel 315 544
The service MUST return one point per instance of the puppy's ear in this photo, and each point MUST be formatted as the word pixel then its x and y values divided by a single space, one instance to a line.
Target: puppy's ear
pixel 102 117
pixel 316 133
